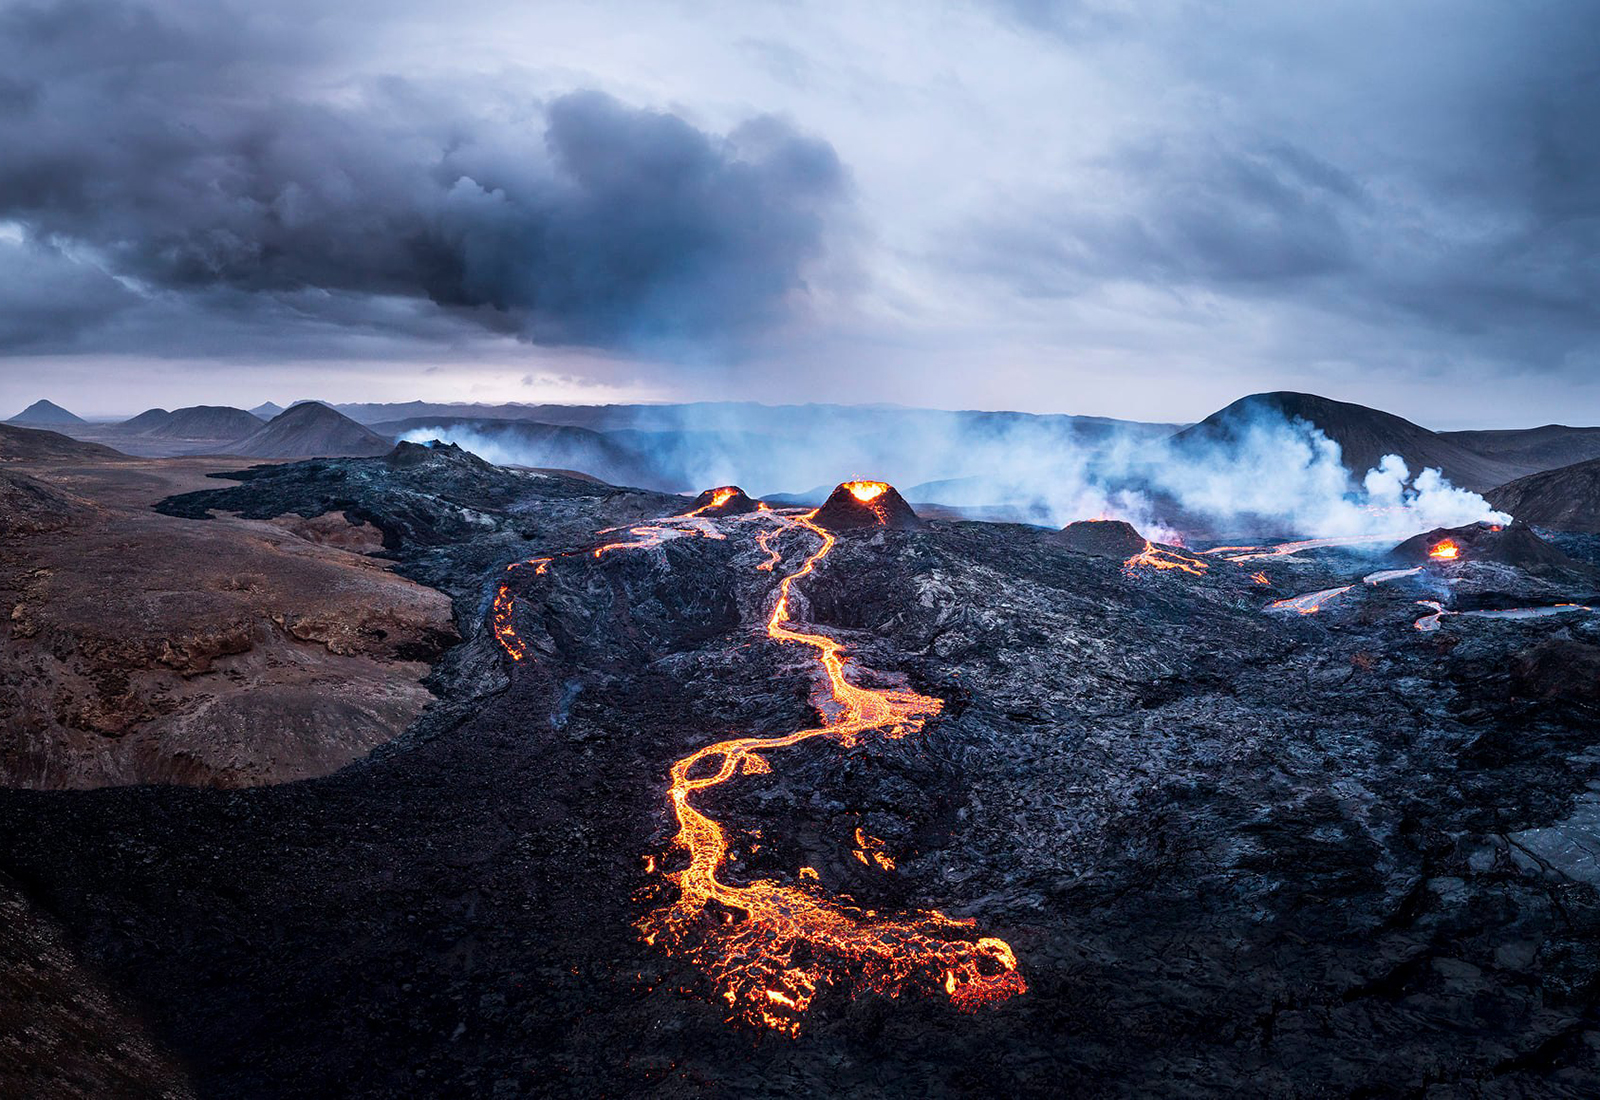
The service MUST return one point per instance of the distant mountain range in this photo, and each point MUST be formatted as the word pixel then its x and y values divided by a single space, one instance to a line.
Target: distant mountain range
pixel 773 450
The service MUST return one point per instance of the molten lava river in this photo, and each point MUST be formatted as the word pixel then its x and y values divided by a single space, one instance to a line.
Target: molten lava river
pixel 769 946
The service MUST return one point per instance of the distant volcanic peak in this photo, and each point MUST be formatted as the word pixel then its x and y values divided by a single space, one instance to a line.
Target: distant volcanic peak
pixel 205 422
pixel 312 429
pixel 866 504
pixel 725 500
pixel 1103 538
pixel 45 412
pixel 145 421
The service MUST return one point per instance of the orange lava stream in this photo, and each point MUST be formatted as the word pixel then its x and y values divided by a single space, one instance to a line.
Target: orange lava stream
pixel 1445 550
pixel 719 497
pixel 1152 556
pixel 769 946
pixel 764 540
pixel 505 631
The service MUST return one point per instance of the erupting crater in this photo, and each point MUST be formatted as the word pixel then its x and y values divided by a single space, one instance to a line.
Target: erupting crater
pixel 865 504
pixel 1514 544
pixel 728 500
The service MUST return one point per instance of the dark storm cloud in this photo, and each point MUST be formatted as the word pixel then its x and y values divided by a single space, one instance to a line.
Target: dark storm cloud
pixel 43 293
pixel 211 165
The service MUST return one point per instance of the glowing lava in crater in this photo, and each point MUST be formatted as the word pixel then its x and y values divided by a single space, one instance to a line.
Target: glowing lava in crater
pixel 728 500
pixel 768 946
pixel 1444 550
pixel 865 504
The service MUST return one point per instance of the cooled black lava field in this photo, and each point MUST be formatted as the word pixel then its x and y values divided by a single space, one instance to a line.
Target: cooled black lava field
pixel 1236 851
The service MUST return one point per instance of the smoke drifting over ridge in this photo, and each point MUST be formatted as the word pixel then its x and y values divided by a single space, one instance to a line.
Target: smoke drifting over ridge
pixel 184 155
pixel 1271 476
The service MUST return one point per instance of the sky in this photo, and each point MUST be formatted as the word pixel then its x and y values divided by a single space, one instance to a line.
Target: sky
pixel 1134 210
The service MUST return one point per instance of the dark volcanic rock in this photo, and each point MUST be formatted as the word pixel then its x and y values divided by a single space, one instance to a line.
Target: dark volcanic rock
pixel 29 506
pixel 856 504
pixel 1102 538
pixel 728 500
pixel 1559 668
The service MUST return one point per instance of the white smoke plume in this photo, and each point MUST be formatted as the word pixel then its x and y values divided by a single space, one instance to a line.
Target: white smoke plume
pixel 1268 477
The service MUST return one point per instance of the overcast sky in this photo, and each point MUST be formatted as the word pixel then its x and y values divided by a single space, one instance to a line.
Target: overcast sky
pixel 1136 210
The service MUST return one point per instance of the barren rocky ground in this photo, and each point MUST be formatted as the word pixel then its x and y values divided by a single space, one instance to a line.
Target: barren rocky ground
pixel 1236 851
pixel 144 649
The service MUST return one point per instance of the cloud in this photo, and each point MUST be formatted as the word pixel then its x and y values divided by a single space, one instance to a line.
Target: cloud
pixel 206 160
pixel 1422 176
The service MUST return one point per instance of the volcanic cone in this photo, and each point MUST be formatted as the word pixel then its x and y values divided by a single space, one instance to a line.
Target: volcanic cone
pixel 866 504
pixel 1516 544
pixel 727 500
pixel 1102 538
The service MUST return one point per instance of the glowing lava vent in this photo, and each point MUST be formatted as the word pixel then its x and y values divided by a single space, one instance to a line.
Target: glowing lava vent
pixel 866 504
pixel 1508 544
pixel 728 500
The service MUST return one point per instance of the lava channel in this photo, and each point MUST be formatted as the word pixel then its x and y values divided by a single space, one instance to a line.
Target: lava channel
pixel 769 946
pixel 789 940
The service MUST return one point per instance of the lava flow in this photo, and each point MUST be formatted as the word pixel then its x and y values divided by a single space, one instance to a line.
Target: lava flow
pixel 1310 603
pixel 1445 550
pixel 769 946
pixel 1154 557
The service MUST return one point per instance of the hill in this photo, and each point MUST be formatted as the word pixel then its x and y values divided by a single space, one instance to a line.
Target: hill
pixel 308 430
pixel 1546 448
pixel 146 421
pixel 31 444
pixel 1565 499
pixel 267 410
pixel 1364 436
pixel 549 446
pixel 45 412
pixel 206 422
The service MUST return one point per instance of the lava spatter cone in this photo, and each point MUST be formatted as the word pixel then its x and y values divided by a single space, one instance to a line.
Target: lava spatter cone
pixel 1102 538
pixel 725 500
pixel 1513 544
pixel 856 504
